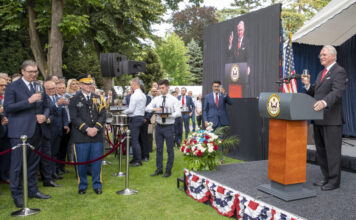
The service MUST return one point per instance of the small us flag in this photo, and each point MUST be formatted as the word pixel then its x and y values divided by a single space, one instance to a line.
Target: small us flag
pixel 289 69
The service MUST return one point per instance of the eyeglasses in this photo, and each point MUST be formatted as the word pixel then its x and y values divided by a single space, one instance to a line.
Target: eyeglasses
pixel 32 72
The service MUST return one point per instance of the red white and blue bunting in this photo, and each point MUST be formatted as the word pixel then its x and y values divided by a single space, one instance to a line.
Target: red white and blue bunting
pixel 228 202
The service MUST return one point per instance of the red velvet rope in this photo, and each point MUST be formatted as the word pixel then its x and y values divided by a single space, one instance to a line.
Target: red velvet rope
pixel 6 151
pixel 108 138
pixel 78 163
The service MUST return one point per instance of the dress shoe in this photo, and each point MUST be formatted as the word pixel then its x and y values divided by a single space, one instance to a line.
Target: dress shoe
pixel 329 187
pixel 19 202
pixel 137 164
pixel 320 183
pixel 57 177
pixel 5 181
pixel 51 183
pixel 132 161
pixel 82 191
pixel 98 191
pixel 40 195
pixel 157 172
pixel 166 174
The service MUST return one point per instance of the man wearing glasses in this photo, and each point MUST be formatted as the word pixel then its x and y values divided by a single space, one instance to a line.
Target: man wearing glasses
pixel 27 111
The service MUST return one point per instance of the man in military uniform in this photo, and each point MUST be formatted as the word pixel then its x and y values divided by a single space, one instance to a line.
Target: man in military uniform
pixel 88 115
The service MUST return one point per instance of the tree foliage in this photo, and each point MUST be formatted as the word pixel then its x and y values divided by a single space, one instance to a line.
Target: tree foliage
pixel 174 58
pixel 190 23
pixel 195 62
pixel 154 70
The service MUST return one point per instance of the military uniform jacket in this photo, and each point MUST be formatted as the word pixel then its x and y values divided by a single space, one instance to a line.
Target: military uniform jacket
pixel 85 114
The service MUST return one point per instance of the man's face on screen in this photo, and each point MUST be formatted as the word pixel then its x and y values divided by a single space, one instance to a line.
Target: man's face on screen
pixel 240 30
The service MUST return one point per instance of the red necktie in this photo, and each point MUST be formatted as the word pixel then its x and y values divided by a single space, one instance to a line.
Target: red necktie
pixel 1 97
pixel 238 46
pixel 322 76
pixel 216 100
pixel 183 101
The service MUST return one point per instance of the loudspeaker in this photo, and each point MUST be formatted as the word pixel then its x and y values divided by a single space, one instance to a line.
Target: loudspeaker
pixel 131 66
pixel 110 64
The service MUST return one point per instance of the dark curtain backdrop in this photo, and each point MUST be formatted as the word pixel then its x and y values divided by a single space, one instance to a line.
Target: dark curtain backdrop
pixel 306 57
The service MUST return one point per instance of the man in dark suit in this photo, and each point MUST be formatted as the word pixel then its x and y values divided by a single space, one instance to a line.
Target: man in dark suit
pixel 238 46
pixel 26 111
pixel 59 122
pixel 215 107
pixel 187 104
pixel 4 140
pixel 328 90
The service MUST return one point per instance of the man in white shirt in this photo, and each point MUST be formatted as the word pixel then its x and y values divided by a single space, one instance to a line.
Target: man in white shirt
pixel 165 126
pixel 136 112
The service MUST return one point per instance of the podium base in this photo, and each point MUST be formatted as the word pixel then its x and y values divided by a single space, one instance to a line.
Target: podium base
pixel 287 192
pixel 25 212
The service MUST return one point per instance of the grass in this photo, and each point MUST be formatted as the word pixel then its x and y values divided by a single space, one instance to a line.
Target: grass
pixel 157 198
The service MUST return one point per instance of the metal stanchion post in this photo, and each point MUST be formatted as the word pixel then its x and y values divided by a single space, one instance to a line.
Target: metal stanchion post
pixel 119 173
pixel 127 191
pixel 104 162
pixel 25 211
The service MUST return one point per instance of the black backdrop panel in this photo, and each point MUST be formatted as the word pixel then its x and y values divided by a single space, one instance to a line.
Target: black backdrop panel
pixel 251 129
pixel 262 31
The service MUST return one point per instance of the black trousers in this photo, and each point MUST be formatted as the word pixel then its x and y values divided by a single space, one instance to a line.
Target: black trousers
pixel 328 140
pixel 63 149
pixel 135 127
pixel 46 165
pixel 144 142
pixel 32 166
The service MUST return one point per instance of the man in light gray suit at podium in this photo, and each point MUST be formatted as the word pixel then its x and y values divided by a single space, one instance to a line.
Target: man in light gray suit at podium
pixel 328 90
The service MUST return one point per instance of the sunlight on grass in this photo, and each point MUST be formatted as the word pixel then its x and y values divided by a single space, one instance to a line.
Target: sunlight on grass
pixel 157 198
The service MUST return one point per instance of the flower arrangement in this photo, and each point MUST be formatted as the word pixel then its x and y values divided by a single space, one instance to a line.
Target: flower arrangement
pixel 201 149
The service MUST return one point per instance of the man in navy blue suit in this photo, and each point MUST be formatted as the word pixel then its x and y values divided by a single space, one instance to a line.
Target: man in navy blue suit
pixel 26 111
pixel 186 102
pixel 215 107
pixel 59 122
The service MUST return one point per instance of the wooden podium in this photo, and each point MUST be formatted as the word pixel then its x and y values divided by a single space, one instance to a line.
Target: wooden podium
pixel 287 155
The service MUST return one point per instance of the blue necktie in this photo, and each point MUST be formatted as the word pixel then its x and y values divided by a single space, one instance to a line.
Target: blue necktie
pixel 32 88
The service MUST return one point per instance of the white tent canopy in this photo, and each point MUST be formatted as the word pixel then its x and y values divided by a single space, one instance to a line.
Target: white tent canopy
pixel 333 25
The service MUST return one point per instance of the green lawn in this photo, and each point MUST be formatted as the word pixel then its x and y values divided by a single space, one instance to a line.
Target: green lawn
pixel 158 197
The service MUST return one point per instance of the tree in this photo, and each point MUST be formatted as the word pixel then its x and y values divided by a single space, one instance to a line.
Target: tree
pixel 154 70
pixel 100 25
pixel 190 23
pixel 174 58
pixel 246 6
pixel 195 62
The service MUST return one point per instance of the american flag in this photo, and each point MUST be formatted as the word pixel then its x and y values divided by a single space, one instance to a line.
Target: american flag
pixel 289 69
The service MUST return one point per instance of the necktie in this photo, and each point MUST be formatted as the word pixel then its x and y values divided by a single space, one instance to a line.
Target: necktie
pixel 216 99
pixel 238 46
pixel 322 76
pixel 163 105
pixel 182 100
pixel 32 88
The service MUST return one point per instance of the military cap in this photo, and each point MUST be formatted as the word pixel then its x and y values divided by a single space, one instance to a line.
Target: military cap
pixel 86 78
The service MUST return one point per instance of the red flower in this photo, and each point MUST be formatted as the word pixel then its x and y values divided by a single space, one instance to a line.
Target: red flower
pixel 195 149
pixel 195 142
pixel 188 150
pixel 182 149
pixel 205 142
pixel 207 137
pixel 199 154
pixel 215 147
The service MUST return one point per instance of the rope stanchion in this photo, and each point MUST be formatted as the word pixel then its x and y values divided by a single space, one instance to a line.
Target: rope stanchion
pixel 108 138
pixel 77 163
pixel 25 211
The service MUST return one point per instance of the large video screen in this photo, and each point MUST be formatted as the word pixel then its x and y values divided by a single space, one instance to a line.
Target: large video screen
pixel 244 53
